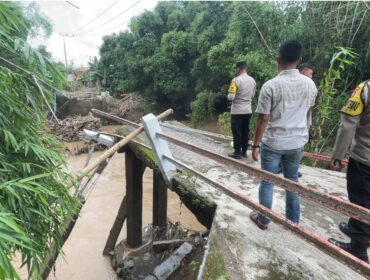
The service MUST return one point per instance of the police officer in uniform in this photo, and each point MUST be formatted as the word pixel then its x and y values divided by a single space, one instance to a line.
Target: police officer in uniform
pixel 354 136
pixel 241 92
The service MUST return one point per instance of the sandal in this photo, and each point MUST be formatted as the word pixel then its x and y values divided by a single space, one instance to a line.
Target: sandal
pixel 254 217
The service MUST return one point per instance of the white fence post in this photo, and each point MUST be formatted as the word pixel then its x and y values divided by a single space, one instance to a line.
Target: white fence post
pixel 160 147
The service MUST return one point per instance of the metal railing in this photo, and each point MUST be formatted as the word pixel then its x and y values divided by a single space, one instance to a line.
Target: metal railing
pixel 321 198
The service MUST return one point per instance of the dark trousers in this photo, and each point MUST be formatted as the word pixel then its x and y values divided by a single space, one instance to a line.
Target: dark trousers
pixel 358 187
pixel 240 130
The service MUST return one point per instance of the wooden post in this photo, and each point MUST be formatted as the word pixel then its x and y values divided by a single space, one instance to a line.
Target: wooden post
pixel 116 228
pixel 134 193
pixel 159 201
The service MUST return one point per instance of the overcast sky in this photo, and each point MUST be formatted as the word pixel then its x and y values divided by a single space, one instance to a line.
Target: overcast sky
pixel 88 33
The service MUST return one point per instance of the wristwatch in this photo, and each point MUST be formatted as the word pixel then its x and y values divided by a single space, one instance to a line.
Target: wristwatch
pixel 255 146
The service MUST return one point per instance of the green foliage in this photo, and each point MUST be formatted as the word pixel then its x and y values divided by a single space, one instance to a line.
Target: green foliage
pixel 326 112
pixel 182 49
pixel 148 107
pixel 224 123
pixel 94 77
pixel 204 107
pixel 34 201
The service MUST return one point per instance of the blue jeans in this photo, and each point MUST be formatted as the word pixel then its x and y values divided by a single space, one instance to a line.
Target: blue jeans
pixel 270 161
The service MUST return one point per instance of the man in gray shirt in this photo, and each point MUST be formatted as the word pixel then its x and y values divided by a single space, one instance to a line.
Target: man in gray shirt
pixel 281 131
pixel 241 92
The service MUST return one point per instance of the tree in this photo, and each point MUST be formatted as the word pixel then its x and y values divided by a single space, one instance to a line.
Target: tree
pixel 182 49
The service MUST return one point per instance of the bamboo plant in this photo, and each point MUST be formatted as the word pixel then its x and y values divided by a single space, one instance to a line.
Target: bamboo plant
pixel 34 202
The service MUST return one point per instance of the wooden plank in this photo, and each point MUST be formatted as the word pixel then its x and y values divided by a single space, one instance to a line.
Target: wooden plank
pixel 116 228
pixel 159 201
pixel 134 194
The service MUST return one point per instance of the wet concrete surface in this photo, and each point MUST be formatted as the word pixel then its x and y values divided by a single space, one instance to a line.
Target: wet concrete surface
pixel 83 257
pixel 276 253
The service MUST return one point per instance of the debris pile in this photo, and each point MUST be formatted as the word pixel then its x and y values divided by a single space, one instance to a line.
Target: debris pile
pixel 168 255
pixel 70 128
pixel 127 103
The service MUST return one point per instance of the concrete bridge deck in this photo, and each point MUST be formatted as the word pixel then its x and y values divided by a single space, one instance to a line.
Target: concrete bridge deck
pixel 238 248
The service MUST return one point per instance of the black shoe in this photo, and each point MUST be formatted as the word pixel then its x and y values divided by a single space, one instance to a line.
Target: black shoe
pixel 356 248
pixel 343 227
pixel 235 155
pixel 244 155
pixel 299 174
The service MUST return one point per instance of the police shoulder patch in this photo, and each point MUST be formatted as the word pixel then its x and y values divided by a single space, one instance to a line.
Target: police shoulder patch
pixel 233 88
pixel 355 105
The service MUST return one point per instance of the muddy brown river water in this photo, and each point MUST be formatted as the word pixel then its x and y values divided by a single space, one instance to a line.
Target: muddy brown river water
pixel 83 257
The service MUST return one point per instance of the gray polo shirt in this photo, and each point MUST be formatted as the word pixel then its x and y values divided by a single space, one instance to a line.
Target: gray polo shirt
pixel 241 92
pixel 287 99
pixel 354 131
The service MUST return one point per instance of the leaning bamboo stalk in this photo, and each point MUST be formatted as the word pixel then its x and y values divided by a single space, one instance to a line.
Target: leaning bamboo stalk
pixel 113 149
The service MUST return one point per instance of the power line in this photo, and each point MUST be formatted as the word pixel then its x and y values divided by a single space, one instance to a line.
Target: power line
pixel 106 30
pixel 74 5
pixel 93 29
pixel 98 16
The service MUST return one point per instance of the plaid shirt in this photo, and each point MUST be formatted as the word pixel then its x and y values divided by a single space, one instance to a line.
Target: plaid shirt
pixel 287 99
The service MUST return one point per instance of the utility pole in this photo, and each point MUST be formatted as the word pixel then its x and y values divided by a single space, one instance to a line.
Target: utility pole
pixel 64 41
pixel 89 66
pixel 65 51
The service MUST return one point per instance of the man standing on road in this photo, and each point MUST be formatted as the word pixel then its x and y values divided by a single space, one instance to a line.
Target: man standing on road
pixel 308 70
pixel 241 92
pixel 354 134
pixel 281 131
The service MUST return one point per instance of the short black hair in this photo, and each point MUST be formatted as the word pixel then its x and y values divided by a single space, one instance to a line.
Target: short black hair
pixel 290 51
pixel 241 64
pixel 307 65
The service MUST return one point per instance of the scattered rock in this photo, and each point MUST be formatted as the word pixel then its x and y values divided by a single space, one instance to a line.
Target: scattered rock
pixel 147 256
pixel 150 277
pixel 128 264
pixel 197 239
pixel 119 271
